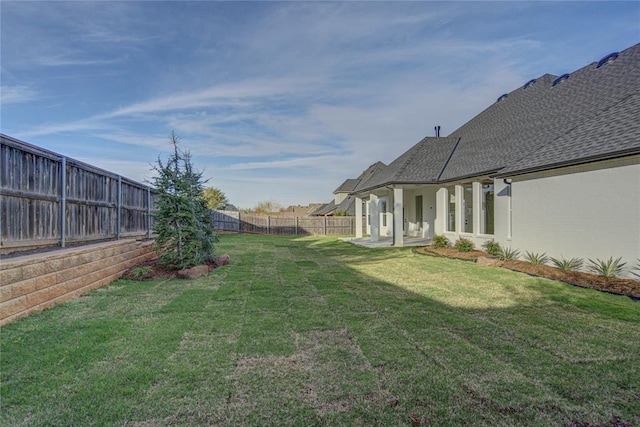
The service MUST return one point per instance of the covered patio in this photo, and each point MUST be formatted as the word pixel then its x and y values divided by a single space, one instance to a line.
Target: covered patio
pixel 386 241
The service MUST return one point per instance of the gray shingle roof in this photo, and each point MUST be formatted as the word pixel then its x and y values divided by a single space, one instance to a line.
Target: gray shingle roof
pixel 532 126
pixel 324 209
pixel 422 163
pixel 347 186
pixel 593 114
pixel 369 174
pixel 616 132
pixel 347 205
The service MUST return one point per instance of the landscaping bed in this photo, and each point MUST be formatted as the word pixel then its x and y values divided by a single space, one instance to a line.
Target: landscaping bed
pixel 615 285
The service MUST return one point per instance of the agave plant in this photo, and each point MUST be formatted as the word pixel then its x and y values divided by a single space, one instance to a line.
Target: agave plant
pixel 536 258
pixel 572 264
pixel 636 268
pixel 509 254
pixel 607 268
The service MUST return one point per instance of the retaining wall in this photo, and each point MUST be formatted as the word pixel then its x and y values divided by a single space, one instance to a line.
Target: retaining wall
pixel 36 282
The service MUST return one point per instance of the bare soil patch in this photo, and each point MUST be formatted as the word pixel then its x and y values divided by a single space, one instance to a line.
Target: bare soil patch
pixel 615 285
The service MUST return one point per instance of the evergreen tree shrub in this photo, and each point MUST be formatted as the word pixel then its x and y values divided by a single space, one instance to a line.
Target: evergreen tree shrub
pixel 182 222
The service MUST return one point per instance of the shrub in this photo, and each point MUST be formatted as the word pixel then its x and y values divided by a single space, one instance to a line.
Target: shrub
pixel 536 258
pixel 464 245
pixel 439 241
pixel 182 222
pixel 572 264
pixel 609 268
pixel 509 254
pixel 137 272
pixel 492 247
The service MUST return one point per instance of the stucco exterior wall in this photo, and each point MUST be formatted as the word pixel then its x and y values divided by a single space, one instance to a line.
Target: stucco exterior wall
pixel 427 227
pixel 589 211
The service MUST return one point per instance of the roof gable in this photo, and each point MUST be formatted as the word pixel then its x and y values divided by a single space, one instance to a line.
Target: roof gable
pixel 347 186
pixel 422 163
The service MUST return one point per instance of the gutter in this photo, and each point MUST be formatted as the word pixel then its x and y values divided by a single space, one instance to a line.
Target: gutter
pixel 626 153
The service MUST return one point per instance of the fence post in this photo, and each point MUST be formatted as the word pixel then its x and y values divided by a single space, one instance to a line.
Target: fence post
pixel 63 201
pixel 148 212
pixel 118 207
pixel 268 224
pixel 296 226
pixel 239 222
pixel 324 226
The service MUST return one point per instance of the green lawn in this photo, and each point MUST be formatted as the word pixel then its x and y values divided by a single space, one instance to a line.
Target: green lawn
pixel 315 331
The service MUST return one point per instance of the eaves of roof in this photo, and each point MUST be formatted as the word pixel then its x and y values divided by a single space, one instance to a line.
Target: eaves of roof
pixel 574 162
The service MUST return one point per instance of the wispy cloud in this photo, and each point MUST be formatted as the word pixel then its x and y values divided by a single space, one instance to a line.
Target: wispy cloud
pixel 279 100
pixel 66 61
pixel 17 94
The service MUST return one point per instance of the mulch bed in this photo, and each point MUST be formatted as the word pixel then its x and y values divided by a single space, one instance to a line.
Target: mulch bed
pixel 614 285
pixel 156 271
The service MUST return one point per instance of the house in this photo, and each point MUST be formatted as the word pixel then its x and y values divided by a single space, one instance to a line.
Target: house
pixel 343 203
pixel 294 211
pixel 553 166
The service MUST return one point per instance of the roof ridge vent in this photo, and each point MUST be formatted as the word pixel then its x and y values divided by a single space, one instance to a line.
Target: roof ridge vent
pixel 607 59
pixel 529 83
pixel 502 97
pixel 560 79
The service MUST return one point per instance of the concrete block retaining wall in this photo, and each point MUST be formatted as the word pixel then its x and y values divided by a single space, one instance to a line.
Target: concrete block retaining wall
pixel 36 282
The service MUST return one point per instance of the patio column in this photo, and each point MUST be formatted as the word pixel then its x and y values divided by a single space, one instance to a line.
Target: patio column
pixel 358 217
pixel 398 237
pixel 375 217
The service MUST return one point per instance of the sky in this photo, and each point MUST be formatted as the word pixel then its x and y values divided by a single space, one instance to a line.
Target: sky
pixel 278 101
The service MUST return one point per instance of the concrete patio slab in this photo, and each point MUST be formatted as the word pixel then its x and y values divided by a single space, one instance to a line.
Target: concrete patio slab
pixel 386 242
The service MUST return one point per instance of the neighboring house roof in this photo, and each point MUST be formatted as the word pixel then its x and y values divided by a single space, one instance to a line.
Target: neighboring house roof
pixel 324 209
pixel 347 186
pixel 588 115
pixel 369 174
pixel 229 207
pixel 347 205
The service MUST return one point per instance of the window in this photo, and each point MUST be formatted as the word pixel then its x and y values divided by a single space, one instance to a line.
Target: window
pixel 451 208
pixel 384 213
pixel 487 210
pixel 467 211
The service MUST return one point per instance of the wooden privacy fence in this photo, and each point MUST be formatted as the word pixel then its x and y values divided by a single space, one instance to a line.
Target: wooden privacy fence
pixel 266 224
pixel 47 199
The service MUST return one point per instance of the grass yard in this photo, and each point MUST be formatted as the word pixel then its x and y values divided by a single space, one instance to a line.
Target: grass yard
pixel 315 331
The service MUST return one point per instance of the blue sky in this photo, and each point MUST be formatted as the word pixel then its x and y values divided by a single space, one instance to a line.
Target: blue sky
pixel 278 100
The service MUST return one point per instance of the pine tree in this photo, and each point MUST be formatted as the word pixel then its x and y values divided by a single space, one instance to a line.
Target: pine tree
pixel 182 222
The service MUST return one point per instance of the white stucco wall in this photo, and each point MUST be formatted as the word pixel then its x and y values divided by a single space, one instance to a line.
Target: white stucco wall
pixel 590 211
pixel 427 227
